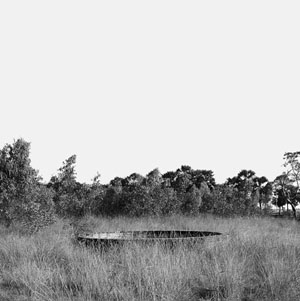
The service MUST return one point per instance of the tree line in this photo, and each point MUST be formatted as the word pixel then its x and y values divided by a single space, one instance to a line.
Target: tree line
pixel 24 197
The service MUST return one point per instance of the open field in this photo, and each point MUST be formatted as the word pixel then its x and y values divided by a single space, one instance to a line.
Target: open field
pixel 258 260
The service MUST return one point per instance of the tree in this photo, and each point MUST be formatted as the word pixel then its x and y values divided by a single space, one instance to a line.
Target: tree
pixel 203 176
pixel 292 165
pixel 287 184
pixel 243 181
pixel 21 194
pixel 227 200
pixel 286 192
pixel 191 201
pixel 112 203
pixel 259 193
pixel 169 179
pixel 134 178
pixel 67 174
pixel 136 200
pixel 154 178
pixel 185 177
pixel 164 201
pixel 266 194
pixel 70 196
pixel 244 184
pixel 16 177
pixel 280 199
pixel 117 183
pixel 182 182
pixel 96 196
pixel 220 201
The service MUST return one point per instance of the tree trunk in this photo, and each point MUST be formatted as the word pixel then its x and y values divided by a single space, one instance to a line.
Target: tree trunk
pixel 293 208
pixel 289 202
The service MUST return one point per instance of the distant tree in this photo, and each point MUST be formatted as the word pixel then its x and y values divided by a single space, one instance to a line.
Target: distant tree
pixel 294 195
pixel 169 179
pixel 280 199
pixel 134 178
pixel 154 178
pixel 164 201
pixel 185 177
pixel 163 198
pixel 221 201
pixel 37 210
pixel 136 200
pixel 245 183
pixel 186 169
pixel 203 176
pixel 287 184
pixel 96 196
pixel 67 174
pixel 286 192
pixel 66 179
pixel 204 189
pixel 292 165
pixel 112 203
pixel 182 182
pixel 266 194
pixel 96 179
pixel 70 196
pixel 117 183
pixel 242 180
pixel 227 200
pixel 191 201
pixel 259 194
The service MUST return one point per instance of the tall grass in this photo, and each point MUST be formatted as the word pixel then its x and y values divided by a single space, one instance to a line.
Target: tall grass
pixel 258 260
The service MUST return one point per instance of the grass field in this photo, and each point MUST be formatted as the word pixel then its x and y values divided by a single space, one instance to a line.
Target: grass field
pixel 258 260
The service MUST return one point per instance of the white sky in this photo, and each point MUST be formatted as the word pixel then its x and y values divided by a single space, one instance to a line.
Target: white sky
pixel 129 86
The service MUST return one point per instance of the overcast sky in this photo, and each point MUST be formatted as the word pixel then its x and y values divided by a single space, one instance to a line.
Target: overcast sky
pixel 129 86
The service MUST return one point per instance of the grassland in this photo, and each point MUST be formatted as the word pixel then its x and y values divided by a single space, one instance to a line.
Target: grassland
pixel 258 260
